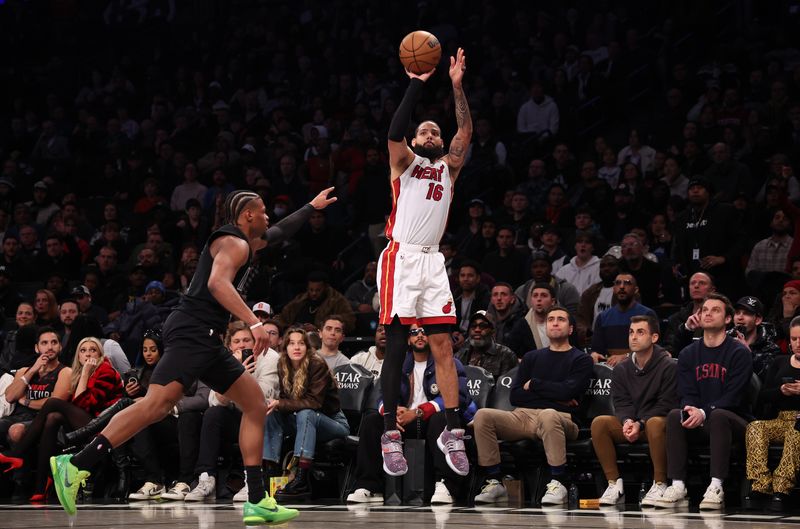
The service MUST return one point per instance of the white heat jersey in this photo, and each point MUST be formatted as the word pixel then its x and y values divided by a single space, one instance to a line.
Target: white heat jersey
pixel 421 199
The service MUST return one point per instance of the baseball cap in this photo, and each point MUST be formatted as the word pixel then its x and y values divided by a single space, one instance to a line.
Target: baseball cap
pixel 7 181
pixel 262 306
pixel 5 271
pixel 700 181
pixel 476 201
pixel 481 315
pixel 540 256
pixel 750 304
pixel 41 184
pixel 155 284
pixel 249 148
pixel 81 290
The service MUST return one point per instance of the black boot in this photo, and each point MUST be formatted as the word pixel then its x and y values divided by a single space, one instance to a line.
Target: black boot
pixel 754 501
pixel 119 490
pixel 779 502
pixel 297 489
pixel 81 435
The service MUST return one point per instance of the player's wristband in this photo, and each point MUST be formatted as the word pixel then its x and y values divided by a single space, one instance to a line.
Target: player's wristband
pixel 256 325
pixel 27 383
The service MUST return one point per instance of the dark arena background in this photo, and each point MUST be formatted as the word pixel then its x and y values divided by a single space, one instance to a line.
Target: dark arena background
pixel 627 158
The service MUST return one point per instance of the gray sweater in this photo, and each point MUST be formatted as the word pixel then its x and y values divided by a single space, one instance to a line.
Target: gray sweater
pixel 639 394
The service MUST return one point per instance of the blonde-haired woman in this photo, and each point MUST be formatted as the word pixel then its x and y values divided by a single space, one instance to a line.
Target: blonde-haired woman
pixel 94 386
pixel 308 407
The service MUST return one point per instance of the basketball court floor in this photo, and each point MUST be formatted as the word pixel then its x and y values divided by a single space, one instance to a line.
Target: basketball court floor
pixel 210 516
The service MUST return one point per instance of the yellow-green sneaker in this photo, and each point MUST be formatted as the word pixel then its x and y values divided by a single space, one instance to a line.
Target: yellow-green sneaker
pixel 68 479
pixel 267 512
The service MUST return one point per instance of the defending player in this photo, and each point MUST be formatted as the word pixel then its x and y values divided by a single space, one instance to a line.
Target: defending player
pixel 194 350
pixel 413 284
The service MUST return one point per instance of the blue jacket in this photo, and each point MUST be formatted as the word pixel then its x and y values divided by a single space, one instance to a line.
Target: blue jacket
pixel 432 392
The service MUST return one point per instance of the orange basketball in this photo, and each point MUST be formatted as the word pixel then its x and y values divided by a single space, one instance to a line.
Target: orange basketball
pixel 420 52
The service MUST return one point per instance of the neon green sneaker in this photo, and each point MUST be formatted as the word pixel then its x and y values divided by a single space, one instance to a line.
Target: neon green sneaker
pixel 68 479
pixel 267 512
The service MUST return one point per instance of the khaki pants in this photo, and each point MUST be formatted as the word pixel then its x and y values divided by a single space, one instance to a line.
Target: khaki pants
pixel 758 438
pixel 553 427
pixel 607 430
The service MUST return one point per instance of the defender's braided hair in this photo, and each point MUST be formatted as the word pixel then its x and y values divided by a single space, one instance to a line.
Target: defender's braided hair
pixel 236 202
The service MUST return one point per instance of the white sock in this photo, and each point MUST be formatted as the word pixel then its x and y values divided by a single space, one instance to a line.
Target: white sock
pixel 617 484
pixel 716 482
pixel 678 484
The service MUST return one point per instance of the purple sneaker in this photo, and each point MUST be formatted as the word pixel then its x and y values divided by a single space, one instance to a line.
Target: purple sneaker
pixel 451 443
pixel 394 463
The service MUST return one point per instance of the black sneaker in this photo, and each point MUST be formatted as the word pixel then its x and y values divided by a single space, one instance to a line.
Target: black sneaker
pixel 779 502
pixel 754 501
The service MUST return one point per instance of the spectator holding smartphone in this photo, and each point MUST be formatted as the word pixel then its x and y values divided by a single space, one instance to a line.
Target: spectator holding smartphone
pixel 781 389
pixel 712 379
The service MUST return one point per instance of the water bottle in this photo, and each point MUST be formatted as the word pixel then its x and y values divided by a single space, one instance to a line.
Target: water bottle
pixel 642 492
pixel 573 497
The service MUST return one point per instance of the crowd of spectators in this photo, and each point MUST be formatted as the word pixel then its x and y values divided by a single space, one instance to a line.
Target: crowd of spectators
pixel 626 162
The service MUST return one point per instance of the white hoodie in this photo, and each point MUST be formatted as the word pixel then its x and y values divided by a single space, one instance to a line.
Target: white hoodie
pixel 580 277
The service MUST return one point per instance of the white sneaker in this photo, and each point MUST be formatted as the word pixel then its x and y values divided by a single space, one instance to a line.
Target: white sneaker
pixel 242 496
pixel 178 491
pixel 149 491
pixel 655 493
pixel 556 494
pixel 713 499
pixel 492 492
pixel 206 487
pixel 614 493
pixel 364 496
pixel 441 494
pixel 673 497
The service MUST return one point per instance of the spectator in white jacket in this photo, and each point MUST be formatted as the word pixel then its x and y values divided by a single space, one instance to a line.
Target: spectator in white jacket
pixel 583 270
pixel 539 115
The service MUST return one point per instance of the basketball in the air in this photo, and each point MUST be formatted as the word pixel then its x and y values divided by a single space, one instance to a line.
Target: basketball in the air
pixel 420 52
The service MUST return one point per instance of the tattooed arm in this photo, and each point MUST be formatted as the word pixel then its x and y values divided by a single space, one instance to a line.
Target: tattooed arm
pixel 460 143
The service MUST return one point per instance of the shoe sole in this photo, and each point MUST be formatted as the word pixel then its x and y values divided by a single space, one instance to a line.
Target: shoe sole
pixel 258 520
pixel 394 474
pixel 712 506
pixel 370 500
pixel 500 499
pixel 671 505
pixel 449 464
pixel 171 497
pixel 619 501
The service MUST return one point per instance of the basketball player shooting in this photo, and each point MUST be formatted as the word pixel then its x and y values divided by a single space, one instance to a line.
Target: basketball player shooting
pixel 413 284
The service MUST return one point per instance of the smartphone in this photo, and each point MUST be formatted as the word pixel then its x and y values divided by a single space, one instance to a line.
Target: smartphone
pixel 246 353
pixel 684 415
pixel 787 380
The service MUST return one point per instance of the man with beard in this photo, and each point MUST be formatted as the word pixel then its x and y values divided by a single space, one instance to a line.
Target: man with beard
pixel 529 333
pixel 361 292
pixel 316 304
pixel 372 358
pixel 684 325
pixel 481 350
pixel 413 285
pixel 767 263
pixel 707 237
pixel 610 333
pixel 420 416
pixel 597 297
pixel 545 391
pixel 505 310
pixel 747 319
pixel 646 272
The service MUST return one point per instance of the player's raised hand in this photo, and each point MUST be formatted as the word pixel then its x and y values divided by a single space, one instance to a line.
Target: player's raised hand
pixel 421 76
pixel 458 65
pixel 322 200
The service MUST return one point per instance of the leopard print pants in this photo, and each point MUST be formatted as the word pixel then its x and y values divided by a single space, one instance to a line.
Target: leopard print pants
pixel 758 438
